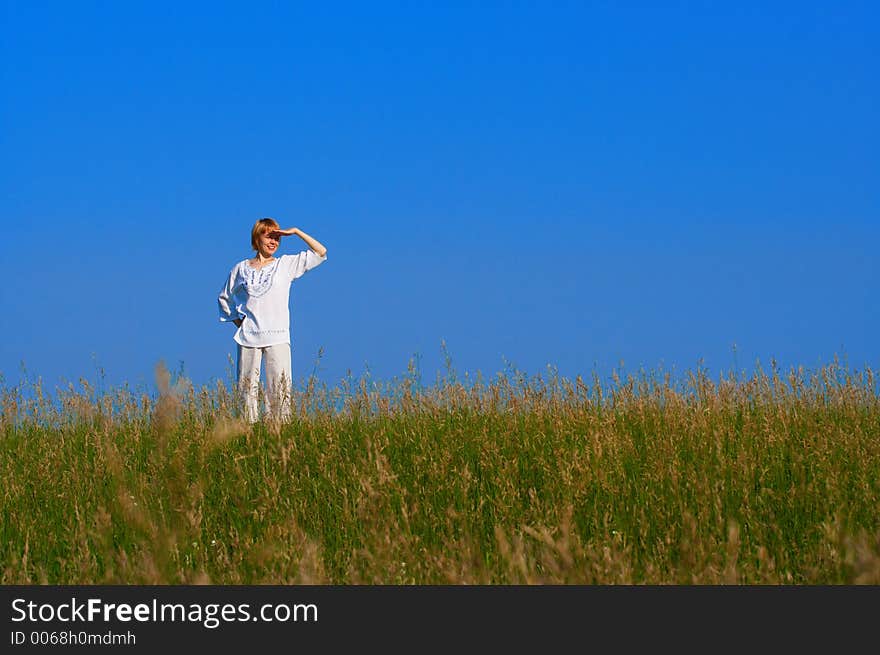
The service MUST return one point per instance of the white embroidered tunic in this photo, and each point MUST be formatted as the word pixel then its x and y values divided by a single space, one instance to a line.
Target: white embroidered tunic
pixel 260 297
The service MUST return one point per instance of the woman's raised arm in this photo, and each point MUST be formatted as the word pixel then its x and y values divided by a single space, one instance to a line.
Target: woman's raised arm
pixel 312 242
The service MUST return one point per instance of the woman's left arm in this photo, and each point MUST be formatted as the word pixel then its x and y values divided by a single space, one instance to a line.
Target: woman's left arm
pixel 312 242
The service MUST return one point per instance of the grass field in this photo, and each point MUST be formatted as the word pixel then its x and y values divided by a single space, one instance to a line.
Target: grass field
pixel 772 478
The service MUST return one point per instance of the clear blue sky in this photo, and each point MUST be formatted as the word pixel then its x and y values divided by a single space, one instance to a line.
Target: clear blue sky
pixel 575 184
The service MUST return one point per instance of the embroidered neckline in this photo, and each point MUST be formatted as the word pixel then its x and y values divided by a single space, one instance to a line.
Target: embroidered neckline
pixel 258 281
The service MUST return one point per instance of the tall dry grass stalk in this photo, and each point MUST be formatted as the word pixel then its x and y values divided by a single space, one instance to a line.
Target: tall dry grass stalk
pixel 772 479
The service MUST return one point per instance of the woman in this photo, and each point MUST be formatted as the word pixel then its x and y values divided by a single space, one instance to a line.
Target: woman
pixel 255 298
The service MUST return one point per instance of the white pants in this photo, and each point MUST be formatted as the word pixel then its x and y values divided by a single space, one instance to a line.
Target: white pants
pixel 278 380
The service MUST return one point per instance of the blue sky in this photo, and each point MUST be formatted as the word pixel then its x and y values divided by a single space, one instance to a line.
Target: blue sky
pixel 584 185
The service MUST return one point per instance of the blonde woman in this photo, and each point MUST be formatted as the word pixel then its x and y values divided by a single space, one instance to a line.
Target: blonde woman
pixel 255 298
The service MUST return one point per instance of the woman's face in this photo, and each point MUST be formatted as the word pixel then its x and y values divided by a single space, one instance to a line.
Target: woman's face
pixel 268 243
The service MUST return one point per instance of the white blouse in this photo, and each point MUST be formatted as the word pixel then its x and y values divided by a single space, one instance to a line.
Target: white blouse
pixel 260 297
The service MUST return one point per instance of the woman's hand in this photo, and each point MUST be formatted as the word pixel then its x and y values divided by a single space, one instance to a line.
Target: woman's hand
pixel 285 233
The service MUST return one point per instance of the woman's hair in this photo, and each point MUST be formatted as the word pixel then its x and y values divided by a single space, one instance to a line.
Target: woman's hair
pixel 261 227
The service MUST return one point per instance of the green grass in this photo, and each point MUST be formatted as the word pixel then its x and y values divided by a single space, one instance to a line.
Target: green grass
pixel 770 479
